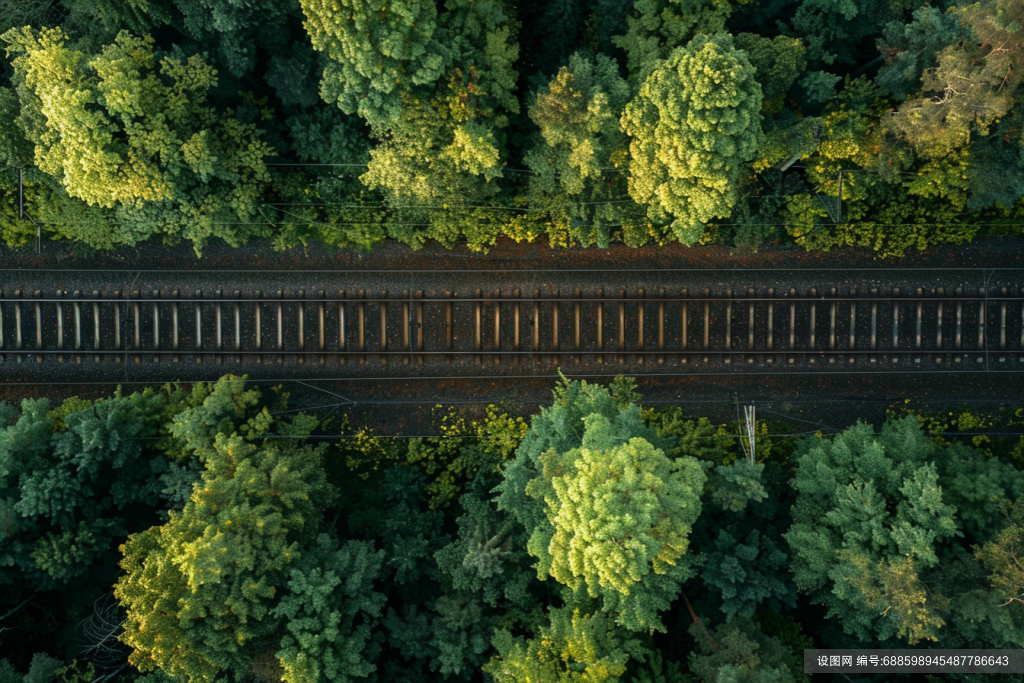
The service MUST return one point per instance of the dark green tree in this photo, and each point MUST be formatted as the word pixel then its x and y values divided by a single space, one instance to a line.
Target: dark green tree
pixel 328 611
pixel 657 27
pixel 867 523
pixel 911 49
pixel 76 479
pixel 739 651
pixel 580 162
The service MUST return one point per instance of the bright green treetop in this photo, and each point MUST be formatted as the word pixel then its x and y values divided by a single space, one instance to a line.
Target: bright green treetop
pixel 377 50
pixel 618 518
pixel 574 648
pixel 130 130
pixel 578 117
pixel 694 122
pixel 560 427
pixel 441 148
pixel 199 590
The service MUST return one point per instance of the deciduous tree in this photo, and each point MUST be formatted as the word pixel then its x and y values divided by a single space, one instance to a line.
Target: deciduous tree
pixel 127 129
pixel 618 520
pixel 693 124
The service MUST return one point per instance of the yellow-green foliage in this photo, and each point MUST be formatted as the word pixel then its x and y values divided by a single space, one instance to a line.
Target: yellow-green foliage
pixel 619 519
pixel 574 648
pixel 465 447
pixel 891 201
pixel 125 129
pixel 695 120
pixel 191 612
pixel 980 429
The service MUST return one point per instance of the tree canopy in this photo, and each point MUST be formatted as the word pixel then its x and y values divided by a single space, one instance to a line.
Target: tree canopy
pixel 694 121
pixel 215 534
pixel 873 124
pixel 618 521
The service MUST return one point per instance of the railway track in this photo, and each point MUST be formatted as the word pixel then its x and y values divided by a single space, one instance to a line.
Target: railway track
pixel 451 328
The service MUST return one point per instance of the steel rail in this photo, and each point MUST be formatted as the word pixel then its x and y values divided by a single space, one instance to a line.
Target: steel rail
pixel 389 271
pixel 611 351
pixel 115 299
pixel 719 333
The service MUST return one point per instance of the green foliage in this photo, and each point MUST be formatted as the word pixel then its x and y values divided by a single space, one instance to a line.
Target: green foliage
pixel 911 49
pixel 895 203
pixel 233 29
pixel 1002 556
pixel 440 146
pixel 376 53
pixel 777 63
pixel 43 669
pixel 739 651
pixel 868 517
pixel 328 612
pixel 658 670
pixel 985 75
pixel 694 122
pixel 560 428
pixel 466 448
pixel 833 30
pixel 409 532
pixel 466 121
pixel 574 647
pixel 250 556
pixel 658 27
pixel 488 556
pixel 199 589
pixel 74 480
pixel 579 163
pixel 127 130
pixel 618 518
pixel 742 557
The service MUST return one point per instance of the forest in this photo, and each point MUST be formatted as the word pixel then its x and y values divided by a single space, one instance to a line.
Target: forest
pixel 885 124
pixel 212 533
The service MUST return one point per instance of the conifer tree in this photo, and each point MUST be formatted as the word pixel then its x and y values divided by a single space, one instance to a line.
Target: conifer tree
pixel 201 590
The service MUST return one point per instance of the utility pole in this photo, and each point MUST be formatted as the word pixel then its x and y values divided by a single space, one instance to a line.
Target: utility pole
pixel 748 414
pixel 23 215
pixel 839 212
